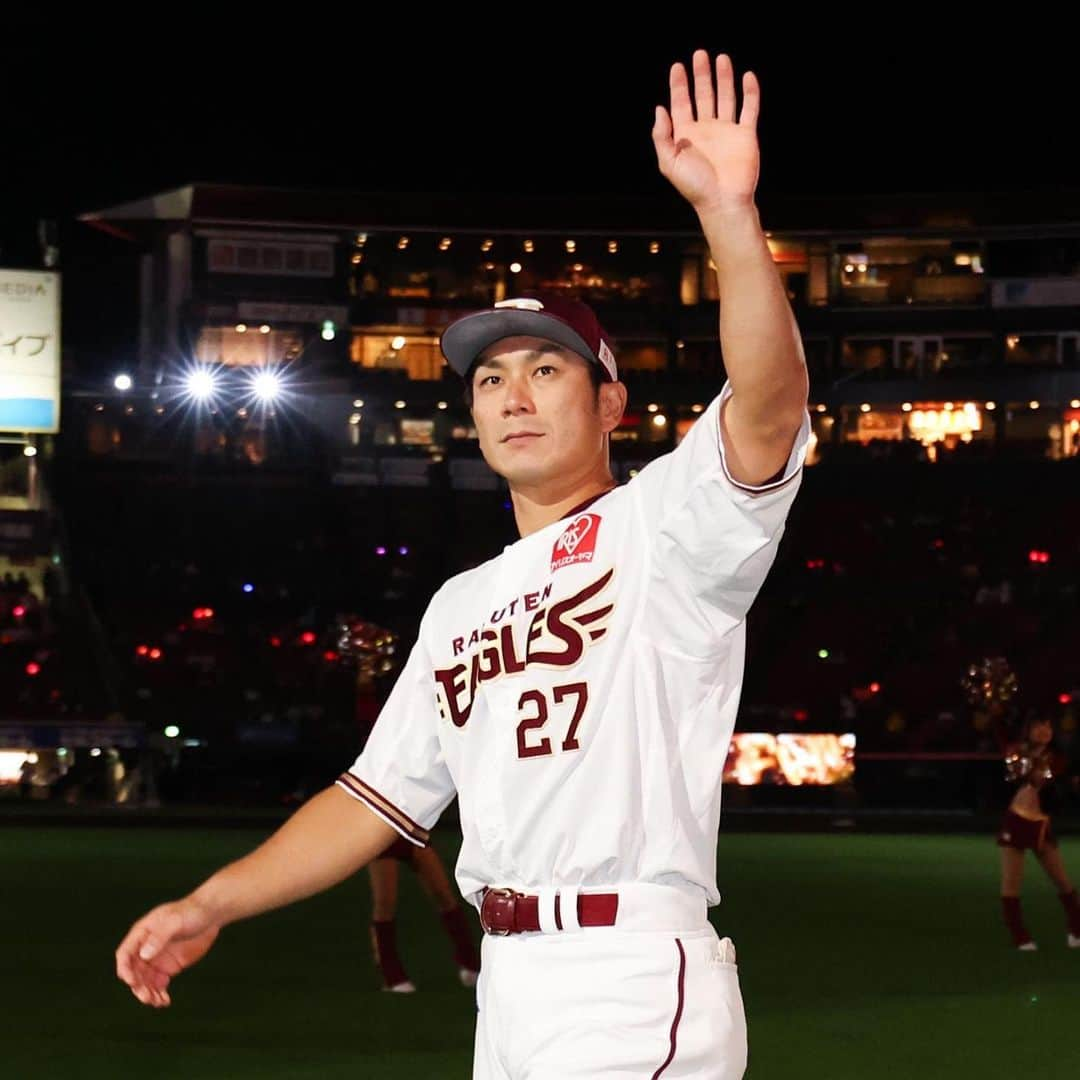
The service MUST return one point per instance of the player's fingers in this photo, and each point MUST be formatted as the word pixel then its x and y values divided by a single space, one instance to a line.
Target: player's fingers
pixel 156 979
pixel 159 934
pixel 143 994
pixel 662 140
pixel 751 100
pixel 682 112
pixel 142 974
pixel 150 947
pixel 128 950
pixel 123 968
pixel 725 89
pixel 704 98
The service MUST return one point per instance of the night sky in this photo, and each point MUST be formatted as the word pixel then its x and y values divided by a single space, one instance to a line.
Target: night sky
pixel 500 105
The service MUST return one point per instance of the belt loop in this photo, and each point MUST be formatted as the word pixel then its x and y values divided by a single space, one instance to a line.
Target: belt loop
pixel 546 910
pixel 568 908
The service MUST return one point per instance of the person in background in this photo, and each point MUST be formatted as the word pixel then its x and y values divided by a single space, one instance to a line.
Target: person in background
pixel 1036 766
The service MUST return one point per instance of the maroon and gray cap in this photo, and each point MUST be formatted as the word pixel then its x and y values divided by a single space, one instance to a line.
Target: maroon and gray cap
pixel 570 323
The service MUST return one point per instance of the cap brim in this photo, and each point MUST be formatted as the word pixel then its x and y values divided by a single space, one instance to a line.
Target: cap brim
pixel 463 341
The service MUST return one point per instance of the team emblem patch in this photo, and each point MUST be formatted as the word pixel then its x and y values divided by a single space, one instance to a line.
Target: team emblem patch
pixel 577 543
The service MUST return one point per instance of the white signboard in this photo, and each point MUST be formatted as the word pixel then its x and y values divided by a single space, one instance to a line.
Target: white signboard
pixel 29 351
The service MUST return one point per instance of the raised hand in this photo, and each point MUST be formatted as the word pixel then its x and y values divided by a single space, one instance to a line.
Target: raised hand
pixel 710 157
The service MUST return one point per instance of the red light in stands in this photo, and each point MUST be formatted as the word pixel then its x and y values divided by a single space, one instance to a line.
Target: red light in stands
pixel 203 613
pixel 1035 556
pixel 142 650
pixel 875 688
pixel 1064 699
pixel 330 656
pixel 155 654
pixel 801 716
pixel 33 669
pixel 307 637
pixel 939 544
pixel 275 642
pixel 18 611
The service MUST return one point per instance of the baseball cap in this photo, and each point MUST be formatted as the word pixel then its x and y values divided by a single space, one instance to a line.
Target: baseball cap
pixel 567 322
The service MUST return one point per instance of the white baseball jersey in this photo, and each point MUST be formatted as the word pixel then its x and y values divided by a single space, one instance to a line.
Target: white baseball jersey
pixel 578 692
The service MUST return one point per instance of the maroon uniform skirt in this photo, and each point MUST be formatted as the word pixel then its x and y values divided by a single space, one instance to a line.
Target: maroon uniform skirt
pixel 1023 833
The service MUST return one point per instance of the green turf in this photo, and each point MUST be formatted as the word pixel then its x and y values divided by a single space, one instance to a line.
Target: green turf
pixel 861 956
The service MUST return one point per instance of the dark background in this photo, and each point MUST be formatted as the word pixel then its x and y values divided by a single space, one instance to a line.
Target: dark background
pixel 881 100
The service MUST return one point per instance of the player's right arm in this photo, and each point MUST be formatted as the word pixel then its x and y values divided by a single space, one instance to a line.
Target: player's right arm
pixel 329 838
pixel 710 153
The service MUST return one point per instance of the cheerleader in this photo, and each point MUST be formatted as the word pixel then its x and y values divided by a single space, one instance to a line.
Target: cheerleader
pixel 1033 764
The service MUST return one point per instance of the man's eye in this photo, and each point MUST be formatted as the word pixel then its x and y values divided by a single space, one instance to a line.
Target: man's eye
pixel 543 368
pixel 489 380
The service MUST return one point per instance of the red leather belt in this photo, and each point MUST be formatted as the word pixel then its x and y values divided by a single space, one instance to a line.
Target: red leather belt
pixel 503 911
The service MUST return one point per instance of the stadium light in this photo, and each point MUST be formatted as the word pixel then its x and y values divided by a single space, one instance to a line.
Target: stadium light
pixel 267 385
pixel 123 382
pixel 201 384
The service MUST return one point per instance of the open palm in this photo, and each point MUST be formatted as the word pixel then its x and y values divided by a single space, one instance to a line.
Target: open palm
pixel 711 157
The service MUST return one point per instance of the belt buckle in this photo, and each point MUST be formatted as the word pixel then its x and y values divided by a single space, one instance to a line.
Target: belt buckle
pixel 502 894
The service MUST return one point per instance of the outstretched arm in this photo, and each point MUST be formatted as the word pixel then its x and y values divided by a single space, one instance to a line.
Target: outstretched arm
pixel 329 838
pixel 712 158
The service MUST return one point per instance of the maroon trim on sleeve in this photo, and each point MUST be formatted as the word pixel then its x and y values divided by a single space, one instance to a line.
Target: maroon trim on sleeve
pixel 385 808
pixel 774 483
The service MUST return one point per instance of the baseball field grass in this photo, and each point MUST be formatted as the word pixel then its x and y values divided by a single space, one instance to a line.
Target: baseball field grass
pixel 861 956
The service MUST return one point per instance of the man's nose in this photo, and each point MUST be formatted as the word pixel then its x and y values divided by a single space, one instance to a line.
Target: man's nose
pixel 518 399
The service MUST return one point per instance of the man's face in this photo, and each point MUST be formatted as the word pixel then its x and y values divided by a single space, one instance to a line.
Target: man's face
pixel 536 412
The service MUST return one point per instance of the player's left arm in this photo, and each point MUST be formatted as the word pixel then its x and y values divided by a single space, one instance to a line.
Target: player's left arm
pixel 712 159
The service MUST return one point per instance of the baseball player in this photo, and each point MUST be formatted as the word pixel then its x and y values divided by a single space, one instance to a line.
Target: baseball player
pixel 578 691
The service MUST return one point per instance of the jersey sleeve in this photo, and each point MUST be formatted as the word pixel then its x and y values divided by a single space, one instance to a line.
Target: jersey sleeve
pixel 712 540
pixel 401 773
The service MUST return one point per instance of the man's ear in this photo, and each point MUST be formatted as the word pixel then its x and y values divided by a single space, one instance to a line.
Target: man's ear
pixel 612 405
